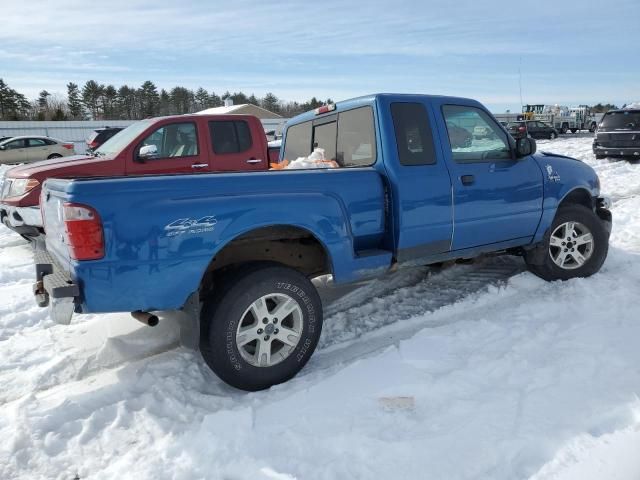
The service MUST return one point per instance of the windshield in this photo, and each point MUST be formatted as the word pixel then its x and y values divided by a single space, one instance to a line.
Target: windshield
pixel 122 139
pixel 621 120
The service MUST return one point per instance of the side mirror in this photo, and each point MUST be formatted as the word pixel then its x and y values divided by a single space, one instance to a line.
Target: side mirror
pixel 147 152
pixel 525 146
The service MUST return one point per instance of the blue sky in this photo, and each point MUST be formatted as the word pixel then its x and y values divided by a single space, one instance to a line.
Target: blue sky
pixel 571 51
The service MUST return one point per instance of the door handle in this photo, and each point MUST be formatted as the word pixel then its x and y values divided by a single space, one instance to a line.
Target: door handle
pixel 254 160
pixel 467 179
pixel 199 165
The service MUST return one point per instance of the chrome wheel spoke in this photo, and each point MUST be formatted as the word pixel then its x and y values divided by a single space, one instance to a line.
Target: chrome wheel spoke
pixel 584 239
pixel 562 258
pixel 263 353
pixel 259 309
pixel 578 257
pixel 284 309
pixel 247 336
pixel 555 242
pixel 288 336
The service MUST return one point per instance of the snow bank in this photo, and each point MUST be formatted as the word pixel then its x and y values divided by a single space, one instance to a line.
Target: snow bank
pixel 480 371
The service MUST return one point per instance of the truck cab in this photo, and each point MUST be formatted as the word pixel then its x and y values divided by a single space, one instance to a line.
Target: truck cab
pixel 179 144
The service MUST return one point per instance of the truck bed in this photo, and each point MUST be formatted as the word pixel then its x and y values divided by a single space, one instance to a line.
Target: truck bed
pixel 159 227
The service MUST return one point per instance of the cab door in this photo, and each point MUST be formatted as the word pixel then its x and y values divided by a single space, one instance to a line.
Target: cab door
pixel 173 147
pixel 496 196
pixel 37 149
pixel 14 151
pixel 419 180
pixel 234 148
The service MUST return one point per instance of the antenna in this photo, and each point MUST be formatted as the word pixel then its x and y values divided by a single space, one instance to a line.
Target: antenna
pixel 520 82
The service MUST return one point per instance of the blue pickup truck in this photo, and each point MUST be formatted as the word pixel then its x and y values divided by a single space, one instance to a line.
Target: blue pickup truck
pixel 411 185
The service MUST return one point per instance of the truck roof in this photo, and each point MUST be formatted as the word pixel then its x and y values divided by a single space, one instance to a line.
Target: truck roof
pixel 371 98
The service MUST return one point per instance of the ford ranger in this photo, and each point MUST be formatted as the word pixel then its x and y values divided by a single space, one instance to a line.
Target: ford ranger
pixel 174 144
pixel 236 252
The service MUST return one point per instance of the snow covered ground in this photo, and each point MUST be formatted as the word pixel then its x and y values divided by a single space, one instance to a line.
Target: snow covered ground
pixel 477 371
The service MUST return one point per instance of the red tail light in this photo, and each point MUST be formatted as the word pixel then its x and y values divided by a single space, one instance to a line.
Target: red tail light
pixel 522 129
pixel 83 228
pixel 68 146
pixel 93 144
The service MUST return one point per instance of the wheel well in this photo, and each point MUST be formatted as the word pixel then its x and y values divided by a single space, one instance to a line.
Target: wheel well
pixel 291 246
pixel 579 196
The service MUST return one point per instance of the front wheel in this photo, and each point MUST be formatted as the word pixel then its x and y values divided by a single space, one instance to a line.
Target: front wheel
pixel 553 135
pixel 263 326
pixel 575 246
pixel 54 155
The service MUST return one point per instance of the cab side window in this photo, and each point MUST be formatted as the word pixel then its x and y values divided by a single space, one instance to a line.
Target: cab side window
pixel 15 144
pixel 174 140
pixel 462 122
pixel 230 136
pixel 37 142
pixel 413 134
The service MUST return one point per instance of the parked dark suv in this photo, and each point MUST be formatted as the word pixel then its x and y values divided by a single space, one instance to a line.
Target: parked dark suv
pixel 618 134
pixel 101 135
pixel 533 128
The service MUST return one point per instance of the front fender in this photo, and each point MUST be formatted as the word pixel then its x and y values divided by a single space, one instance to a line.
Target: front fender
pixel 563 176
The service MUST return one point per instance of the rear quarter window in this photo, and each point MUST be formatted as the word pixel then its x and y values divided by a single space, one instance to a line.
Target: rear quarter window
pixel 348 138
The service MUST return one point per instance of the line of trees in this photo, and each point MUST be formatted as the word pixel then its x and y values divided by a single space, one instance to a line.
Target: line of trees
pixel 106 102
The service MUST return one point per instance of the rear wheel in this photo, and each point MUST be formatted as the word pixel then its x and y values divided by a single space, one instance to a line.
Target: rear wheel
pixel 600 157
pixel 262 328
pixel 54 155
pixel 575 246
pixel 553 135
pixel 574 130
pixel 565 128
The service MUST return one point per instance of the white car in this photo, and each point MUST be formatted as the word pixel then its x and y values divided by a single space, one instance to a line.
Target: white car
pixel 30 149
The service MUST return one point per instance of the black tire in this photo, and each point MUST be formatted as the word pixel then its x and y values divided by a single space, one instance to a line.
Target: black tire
pixel 54 155
pixel 574 130
pixel 553 135
pixel 600 157
pixel 547 268
pixel 564 129
pixel 223 313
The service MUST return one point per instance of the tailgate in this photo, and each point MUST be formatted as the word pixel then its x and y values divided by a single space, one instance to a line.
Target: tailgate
pixel 51 202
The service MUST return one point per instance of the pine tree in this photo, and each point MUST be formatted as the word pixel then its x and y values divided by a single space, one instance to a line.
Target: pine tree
pixel 214 100
pixel 165 103
pixel 270 102
pixel 149 99
pixel 109 102
pixel 91 94
pixel 74 102
pixel 201 99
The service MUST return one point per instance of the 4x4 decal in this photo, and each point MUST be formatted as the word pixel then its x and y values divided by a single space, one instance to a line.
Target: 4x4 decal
pixel 190 225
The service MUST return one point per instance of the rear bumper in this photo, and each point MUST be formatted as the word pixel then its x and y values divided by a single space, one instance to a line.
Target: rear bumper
pixel 54 288
pixel 23 220
pixel 617 152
